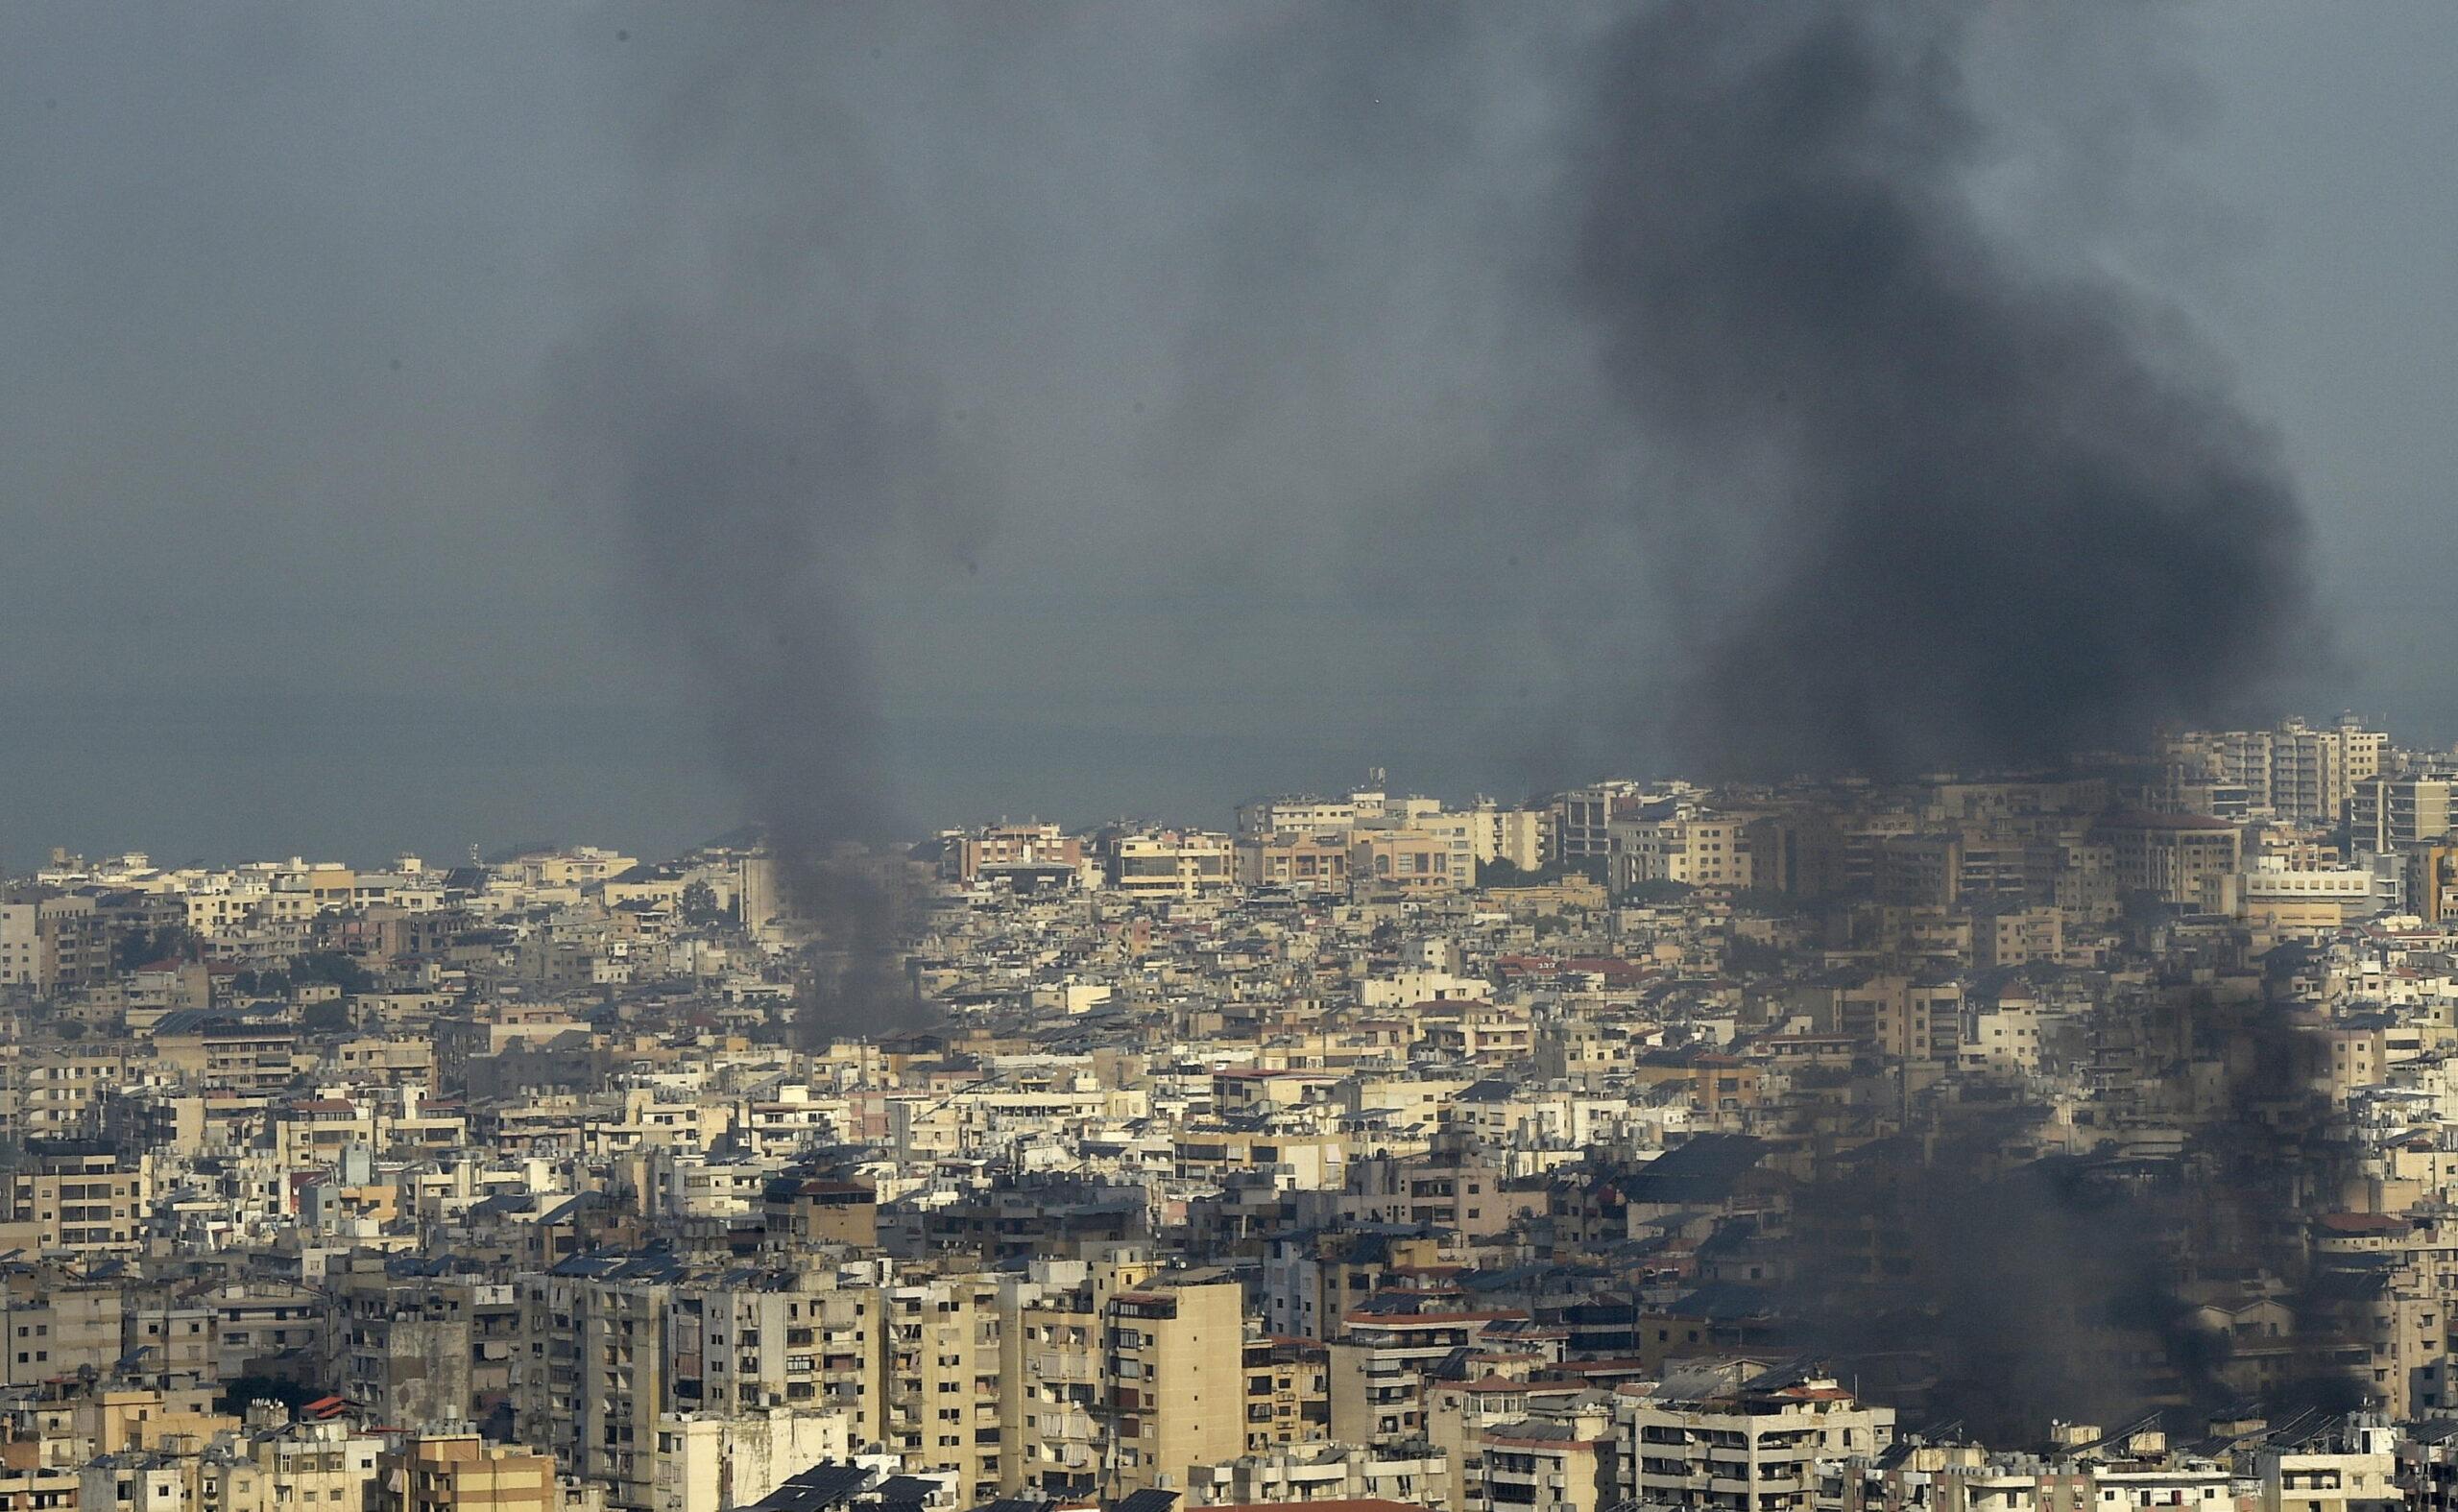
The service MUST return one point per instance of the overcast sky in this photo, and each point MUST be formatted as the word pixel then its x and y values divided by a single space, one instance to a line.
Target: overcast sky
pixel 286 567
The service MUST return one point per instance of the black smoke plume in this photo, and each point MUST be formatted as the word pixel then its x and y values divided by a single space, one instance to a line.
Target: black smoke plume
pixel 768 429
pixel 2035 1288
pixel 754 484
pixel 1957 509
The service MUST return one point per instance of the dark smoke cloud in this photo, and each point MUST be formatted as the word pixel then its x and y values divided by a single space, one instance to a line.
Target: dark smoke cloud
pixel 2026 1288
pixel 1958 509
pixel 1386 347
pixel 768 429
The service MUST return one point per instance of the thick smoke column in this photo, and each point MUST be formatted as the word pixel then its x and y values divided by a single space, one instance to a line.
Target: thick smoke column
pixel 1956 510
pixel 765 427
pixel 755 481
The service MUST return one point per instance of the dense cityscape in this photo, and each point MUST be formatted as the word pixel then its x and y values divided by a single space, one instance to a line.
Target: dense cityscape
pixel 1876 981
pixel 1992 1143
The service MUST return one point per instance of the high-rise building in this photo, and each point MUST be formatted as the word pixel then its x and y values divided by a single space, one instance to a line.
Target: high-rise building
pixel 2392 812
pixel 1174 1355
pixel 2296 772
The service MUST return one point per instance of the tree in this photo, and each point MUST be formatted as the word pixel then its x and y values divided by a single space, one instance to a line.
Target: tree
pixel 1499 873
pixel 326 1018
pixel 700 909
pixel 135 947
pixel 334 968
pixel 1657 890
pixel 1746 956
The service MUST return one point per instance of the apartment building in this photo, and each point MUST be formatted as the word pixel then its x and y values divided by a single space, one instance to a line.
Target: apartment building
pixel 53 943
pixel 77 1198
pixel 1013 852
pixel 1379 1364
pixel 1296 812
pixel 1750 1447
pixel 55 1329
pixel 1172 863
pixel 1174 1363
pixel 2175 857
pixel 1582 820
pixel 460 1472
pixel 708 1463
pixel 52 1092
pixel 592 1379
pixel 1287 1393
pixel 1409 861
pixel 2392 812
pixel 943 1391
pixel 1308 860
pixel 1058 1402
pixel 2296 772
pixel 1563 1463
pixel 1518 837
pixel 422 1349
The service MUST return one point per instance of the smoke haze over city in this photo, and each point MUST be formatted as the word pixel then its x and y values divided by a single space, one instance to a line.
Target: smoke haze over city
pixel 881 756
pixel 1333 476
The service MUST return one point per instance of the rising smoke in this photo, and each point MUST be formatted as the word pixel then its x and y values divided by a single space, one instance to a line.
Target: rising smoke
pixel 1937 507
pixel 768 435
pixel 1958 509
pixel 1693 306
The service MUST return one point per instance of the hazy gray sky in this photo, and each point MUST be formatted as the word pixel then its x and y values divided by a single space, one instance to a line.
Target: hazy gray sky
pixel 285 565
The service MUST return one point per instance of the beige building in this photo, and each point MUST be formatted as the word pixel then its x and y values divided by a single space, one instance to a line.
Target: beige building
pixel 943 1387
pixel 1698 850
pixel 1311 860
pixel 1172 863
pixel 2296 772
pixel 1751 1447
pixel 2392 813
pixel 48 1093
pixel 1057 1401
pixel 1520 837
pixel 53 942
pixel 2175 857
pixel 1549 1464
pixel 459 1473
pixel 1408 861
pixel 318 1463
pixel 78 1199
pixel 2011 936
pixel 591 1378
pixel 1012 850
pixel 2294 899
pixel 709 1463
pixel 57 1331
pixel 1174 1363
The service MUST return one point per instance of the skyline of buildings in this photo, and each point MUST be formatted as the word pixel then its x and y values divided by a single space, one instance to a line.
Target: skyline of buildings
pixel 1988 1143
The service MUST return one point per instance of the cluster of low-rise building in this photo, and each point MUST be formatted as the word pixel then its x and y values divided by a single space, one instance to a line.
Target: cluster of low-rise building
pixel 1369 1151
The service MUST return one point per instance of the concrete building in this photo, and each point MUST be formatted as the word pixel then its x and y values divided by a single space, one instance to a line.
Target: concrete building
pixel 1409 861
pixel 2296 772
pixel 1174 1360
pixel 712 1463
pixel 1172 863
pixel 2393 812
pixel 1748 1448
pixel 460 1473
pixel 77 1198
pixel 1562 1463
pixel 2175 857
pixel 1307 860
